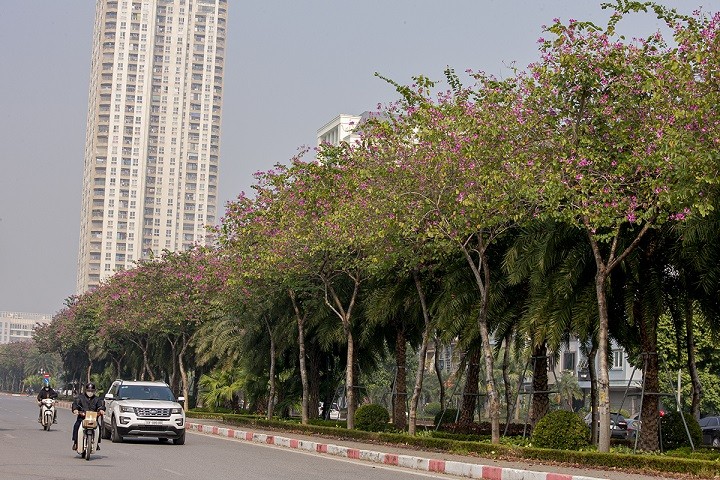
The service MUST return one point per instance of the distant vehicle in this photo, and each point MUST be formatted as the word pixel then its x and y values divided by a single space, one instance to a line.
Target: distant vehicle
pixel 618 425
pixel 710 427
pixel 334 411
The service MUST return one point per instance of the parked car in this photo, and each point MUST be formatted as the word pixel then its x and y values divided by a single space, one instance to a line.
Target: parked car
pixel 618 424
pixel 334 413
pixel 710 427
pixel 634 423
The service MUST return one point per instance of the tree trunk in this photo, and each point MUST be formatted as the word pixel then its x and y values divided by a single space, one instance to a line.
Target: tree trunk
pixel 422 354
pixel 592 373
pixel 400 397
pixel 314 383
pixel 648 440
pixel 470 391
pixel 183 375
pixel 692 366
pixel 350 380
pixel 271 395
pixel 174 362
pixel 89 369
pixel 438 372
pixel 601 276
pixel 493 398
pixel 540 400
pixel 345 315
pixel 603 378
pixel 481 272
pixel 517 403
pixel 506 380
pixel 143 346
pixel 305 415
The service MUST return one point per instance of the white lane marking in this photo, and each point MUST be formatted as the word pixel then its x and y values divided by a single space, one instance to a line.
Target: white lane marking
pixel 10 436
pixel 357 462
pixel 173 472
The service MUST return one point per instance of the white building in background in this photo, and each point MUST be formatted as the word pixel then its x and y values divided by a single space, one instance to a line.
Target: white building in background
pixel 342 129
pixel 19 326
pixel 625 380
pixel 152 145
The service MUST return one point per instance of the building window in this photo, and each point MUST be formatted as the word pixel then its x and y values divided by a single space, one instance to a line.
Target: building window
pixel 618 359
pixel 569 361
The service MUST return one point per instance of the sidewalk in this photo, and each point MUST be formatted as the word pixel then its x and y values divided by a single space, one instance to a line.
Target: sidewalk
pixel 440 462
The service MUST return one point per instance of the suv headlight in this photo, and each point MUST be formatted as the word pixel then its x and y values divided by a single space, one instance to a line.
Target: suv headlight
pixel 176 411
pixel 125 409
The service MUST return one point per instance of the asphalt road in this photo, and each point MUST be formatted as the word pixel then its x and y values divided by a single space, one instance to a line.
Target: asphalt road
pixel 28 452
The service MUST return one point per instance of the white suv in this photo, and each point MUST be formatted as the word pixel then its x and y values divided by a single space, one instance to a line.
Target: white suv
pixel 143 409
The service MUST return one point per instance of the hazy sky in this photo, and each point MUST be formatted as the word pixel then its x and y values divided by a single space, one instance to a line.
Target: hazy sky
pixel 291 66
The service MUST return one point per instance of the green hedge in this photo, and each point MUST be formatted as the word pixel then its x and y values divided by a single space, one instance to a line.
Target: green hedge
pixel 673 430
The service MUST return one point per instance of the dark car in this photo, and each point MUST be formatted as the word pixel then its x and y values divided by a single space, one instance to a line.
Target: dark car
pixel 710 427
pixel 618 424
pixel 634 424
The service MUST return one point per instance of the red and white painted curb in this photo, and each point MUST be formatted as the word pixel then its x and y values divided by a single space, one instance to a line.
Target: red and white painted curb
pixel 470 470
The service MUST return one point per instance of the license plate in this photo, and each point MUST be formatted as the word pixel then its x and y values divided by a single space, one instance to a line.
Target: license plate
pixel 154 422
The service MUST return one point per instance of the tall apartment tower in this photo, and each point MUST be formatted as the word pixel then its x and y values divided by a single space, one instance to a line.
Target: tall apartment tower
pixel 153 132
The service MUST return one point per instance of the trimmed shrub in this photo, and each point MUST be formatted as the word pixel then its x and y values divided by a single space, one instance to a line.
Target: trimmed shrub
pixel 432 408
pixel 561 430
pixel 674 434
pixel 372 418
pixel 448 416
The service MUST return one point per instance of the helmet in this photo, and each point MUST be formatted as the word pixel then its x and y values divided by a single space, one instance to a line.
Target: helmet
pixel 90 387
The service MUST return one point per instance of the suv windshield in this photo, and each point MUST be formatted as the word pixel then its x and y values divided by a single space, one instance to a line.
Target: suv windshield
pixel 145 392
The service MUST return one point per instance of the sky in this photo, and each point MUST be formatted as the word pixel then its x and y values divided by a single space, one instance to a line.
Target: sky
pixel 291 67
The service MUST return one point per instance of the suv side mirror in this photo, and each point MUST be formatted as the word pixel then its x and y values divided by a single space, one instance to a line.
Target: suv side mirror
pixel 180 399
pixel 109 396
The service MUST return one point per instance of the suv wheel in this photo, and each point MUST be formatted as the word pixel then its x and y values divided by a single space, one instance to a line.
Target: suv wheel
pixel 716 442
pixel 105 431
pixel 180 440
pixel 115 436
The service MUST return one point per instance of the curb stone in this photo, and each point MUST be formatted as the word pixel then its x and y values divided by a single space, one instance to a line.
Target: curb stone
pixel 469 470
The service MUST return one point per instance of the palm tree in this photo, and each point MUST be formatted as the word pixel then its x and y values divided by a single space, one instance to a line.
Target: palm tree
pixel 567 390
pixel 555 263
pixel 696 258
pixel 392 305
pixel 223 387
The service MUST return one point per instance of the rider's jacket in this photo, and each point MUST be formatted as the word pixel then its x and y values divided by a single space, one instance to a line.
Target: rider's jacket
pixel 83 403
pixel 49 393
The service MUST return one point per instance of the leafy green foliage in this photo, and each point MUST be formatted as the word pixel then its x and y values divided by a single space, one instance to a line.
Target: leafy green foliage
pixel 673 431
pixel 561 430
pixel 432 408
pixel 447 416
pixel 372 418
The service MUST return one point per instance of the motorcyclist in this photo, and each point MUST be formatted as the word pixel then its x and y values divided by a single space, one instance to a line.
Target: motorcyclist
pixel 46 392
pixel 86 402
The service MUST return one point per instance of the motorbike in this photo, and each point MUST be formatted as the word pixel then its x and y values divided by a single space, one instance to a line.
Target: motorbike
pixel 47 412
pixel 88 434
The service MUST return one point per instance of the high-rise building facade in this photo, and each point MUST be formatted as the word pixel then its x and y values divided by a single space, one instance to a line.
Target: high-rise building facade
pixel 19 326
pixel 153 132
